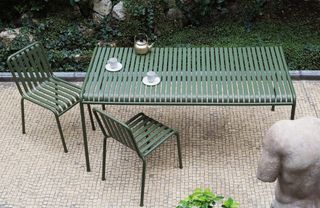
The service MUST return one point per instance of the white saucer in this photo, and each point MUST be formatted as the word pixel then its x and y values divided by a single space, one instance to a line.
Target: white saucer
pixel 155 82
pixel 118 68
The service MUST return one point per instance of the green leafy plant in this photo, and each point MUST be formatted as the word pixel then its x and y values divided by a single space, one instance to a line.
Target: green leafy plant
pixel 68 40
pixel 204 198
pixel 142 10
pixel 31 6
pixel 142 16
pixel 85 6
pixel 197 10
pixel 230 203
pixel 200 198
pixel 252 9
pixel 107 29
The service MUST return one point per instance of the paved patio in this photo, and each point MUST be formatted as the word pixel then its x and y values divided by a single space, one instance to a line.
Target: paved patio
pixel 221 148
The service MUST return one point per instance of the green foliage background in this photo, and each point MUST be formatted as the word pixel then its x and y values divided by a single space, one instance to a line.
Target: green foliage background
pixel 70 35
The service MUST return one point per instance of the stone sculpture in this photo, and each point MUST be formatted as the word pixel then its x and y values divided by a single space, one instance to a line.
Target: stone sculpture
pixel 291 154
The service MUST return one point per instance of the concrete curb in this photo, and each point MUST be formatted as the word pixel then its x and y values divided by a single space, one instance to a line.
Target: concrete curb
pixel 305 75
pixel 79 76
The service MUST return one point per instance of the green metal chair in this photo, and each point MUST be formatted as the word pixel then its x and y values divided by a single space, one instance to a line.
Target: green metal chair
pixel 36 83
pixel 141 133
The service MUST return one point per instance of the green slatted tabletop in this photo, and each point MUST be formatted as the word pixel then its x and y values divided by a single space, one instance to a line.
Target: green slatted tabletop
pixel 191 76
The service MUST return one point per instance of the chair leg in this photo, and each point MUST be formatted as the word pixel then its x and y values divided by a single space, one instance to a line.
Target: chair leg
pixel 275 94
pixel 85 141
pixel 143 182
pixel 273 107
pixel 103 107
pixel 104 154
pixel 61 134
pixel 91 117
pixel 179 150
pixel 22 117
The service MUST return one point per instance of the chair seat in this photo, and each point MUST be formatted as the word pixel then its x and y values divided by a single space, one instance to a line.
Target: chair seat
pixel 148 133
pixel 55 94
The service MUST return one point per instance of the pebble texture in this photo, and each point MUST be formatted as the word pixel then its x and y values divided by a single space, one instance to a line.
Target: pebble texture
pixel 220 150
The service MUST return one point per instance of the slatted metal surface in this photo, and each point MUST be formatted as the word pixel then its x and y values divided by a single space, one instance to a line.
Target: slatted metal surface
pixel 141 133
pixel 36 83
pixel 196 76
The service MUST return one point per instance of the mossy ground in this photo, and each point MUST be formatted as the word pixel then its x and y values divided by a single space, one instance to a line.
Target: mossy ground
pixel 299 39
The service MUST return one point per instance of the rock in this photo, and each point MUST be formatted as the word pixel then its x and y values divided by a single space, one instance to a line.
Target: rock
pixel 25 17
pixel 290 155
pixel 118 11
pixel 77 57
pixel 31 38
pixel 10 34
pixel 175 14
pixel 102 7
pixel 97 18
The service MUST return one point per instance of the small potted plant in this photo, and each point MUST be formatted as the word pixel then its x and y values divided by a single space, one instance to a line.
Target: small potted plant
pixel 204 198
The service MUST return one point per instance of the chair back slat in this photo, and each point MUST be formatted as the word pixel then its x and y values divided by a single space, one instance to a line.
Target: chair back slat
pixel 37 75
pixel 37 61
pixel 39 54
pixel 116 129
pixel 29 67
pixel 27 70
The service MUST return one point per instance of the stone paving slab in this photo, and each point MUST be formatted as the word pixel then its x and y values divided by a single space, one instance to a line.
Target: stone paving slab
pixel 220 150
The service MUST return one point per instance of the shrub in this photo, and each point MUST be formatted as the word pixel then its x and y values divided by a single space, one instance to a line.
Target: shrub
pixel 70 38
pixel 68 41
pixel 204 198
pixel 143 16
pixel 200 11
pixel 12 10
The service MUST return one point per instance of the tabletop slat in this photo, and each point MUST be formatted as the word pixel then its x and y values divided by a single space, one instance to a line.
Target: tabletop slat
pixel 183 77
pixel 269 78
pixel 197 76
pixel 285 76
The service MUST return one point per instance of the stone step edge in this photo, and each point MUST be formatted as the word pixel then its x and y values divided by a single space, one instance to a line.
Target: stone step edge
pixel 79 76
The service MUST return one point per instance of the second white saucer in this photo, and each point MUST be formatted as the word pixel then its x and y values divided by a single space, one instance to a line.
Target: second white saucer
pixel 118 68
pixel 156 81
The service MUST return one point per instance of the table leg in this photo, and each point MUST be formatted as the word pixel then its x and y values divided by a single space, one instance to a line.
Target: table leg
pixel 293 110
pixel 85 142
pixel 273 107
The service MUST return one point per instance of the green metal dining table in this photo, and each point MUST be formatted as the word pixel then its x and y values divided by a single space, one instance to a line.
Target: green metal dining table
pixel 247 76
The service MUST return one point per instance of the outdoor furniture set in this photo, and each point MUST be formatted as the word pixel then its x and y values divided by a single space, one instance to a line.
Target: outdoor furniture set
pixel 250 76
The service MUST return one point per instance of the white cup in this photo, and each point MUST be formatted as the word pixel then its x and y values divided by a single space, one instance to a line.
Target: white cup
pixel 113 62
pixel 151 75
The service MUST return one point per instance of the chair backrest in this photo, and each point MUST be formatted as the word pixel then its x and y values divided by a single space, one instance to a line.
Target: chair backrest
pixel 29 67
pixel 115 129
